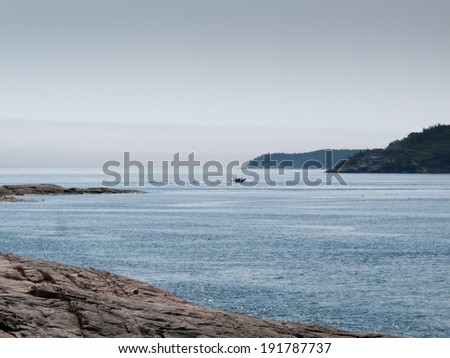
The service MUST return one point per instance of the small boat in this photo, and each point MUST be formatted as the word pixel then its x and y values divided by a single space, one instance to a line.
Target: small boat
pixel 239 180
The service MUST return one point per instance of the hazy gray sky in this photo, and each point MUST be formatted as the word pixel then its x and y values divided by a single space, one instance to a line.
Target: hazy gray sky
pixel 82 81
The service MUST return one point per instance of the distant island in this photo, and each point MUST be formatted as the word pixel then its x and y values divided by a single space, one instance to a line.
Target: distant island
pixel 299 160
pixel 424 152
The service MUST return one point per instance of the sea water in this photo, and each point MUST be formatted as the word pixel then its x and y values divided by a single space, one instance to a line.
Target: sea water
pixel 369 256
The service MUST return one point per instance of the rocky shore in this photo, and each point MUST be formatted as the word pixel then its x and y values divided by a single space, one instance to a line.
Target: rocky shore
pixel 45 299
pixel 8 193
pixel 9 199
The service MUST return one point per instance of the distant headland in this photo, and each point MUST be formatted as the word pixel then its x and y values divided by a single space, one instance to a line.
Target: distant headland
pixel 299 160
pixel 424 152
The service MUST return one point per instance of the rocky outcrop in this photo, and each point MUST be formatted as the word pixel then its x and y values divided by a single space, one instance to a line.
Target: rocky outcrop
pixel 8 192
pixel 44 299
pixel 9 199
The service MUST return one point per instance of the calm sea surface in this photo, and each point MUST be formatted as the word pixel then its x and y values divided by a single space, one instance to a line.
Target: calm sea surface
pixel 371 256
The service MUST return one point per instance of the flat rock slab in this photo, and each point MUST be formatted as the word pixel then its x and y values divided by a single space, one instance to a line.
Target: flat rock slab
pixel 49 189
pixel 9 199
pixel 45 299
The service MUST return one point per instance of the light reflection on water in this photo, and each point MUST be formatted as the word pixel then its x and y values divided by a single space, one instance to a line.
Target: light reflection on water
pixel 371 256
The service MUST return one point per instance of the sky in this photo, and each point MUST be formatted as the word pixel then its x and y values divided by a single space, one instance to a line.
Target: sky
pixel 83 81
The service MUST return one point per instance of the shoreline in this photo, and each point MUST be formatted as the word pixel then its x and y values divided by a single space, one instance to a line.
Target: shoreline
pixel 47 299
